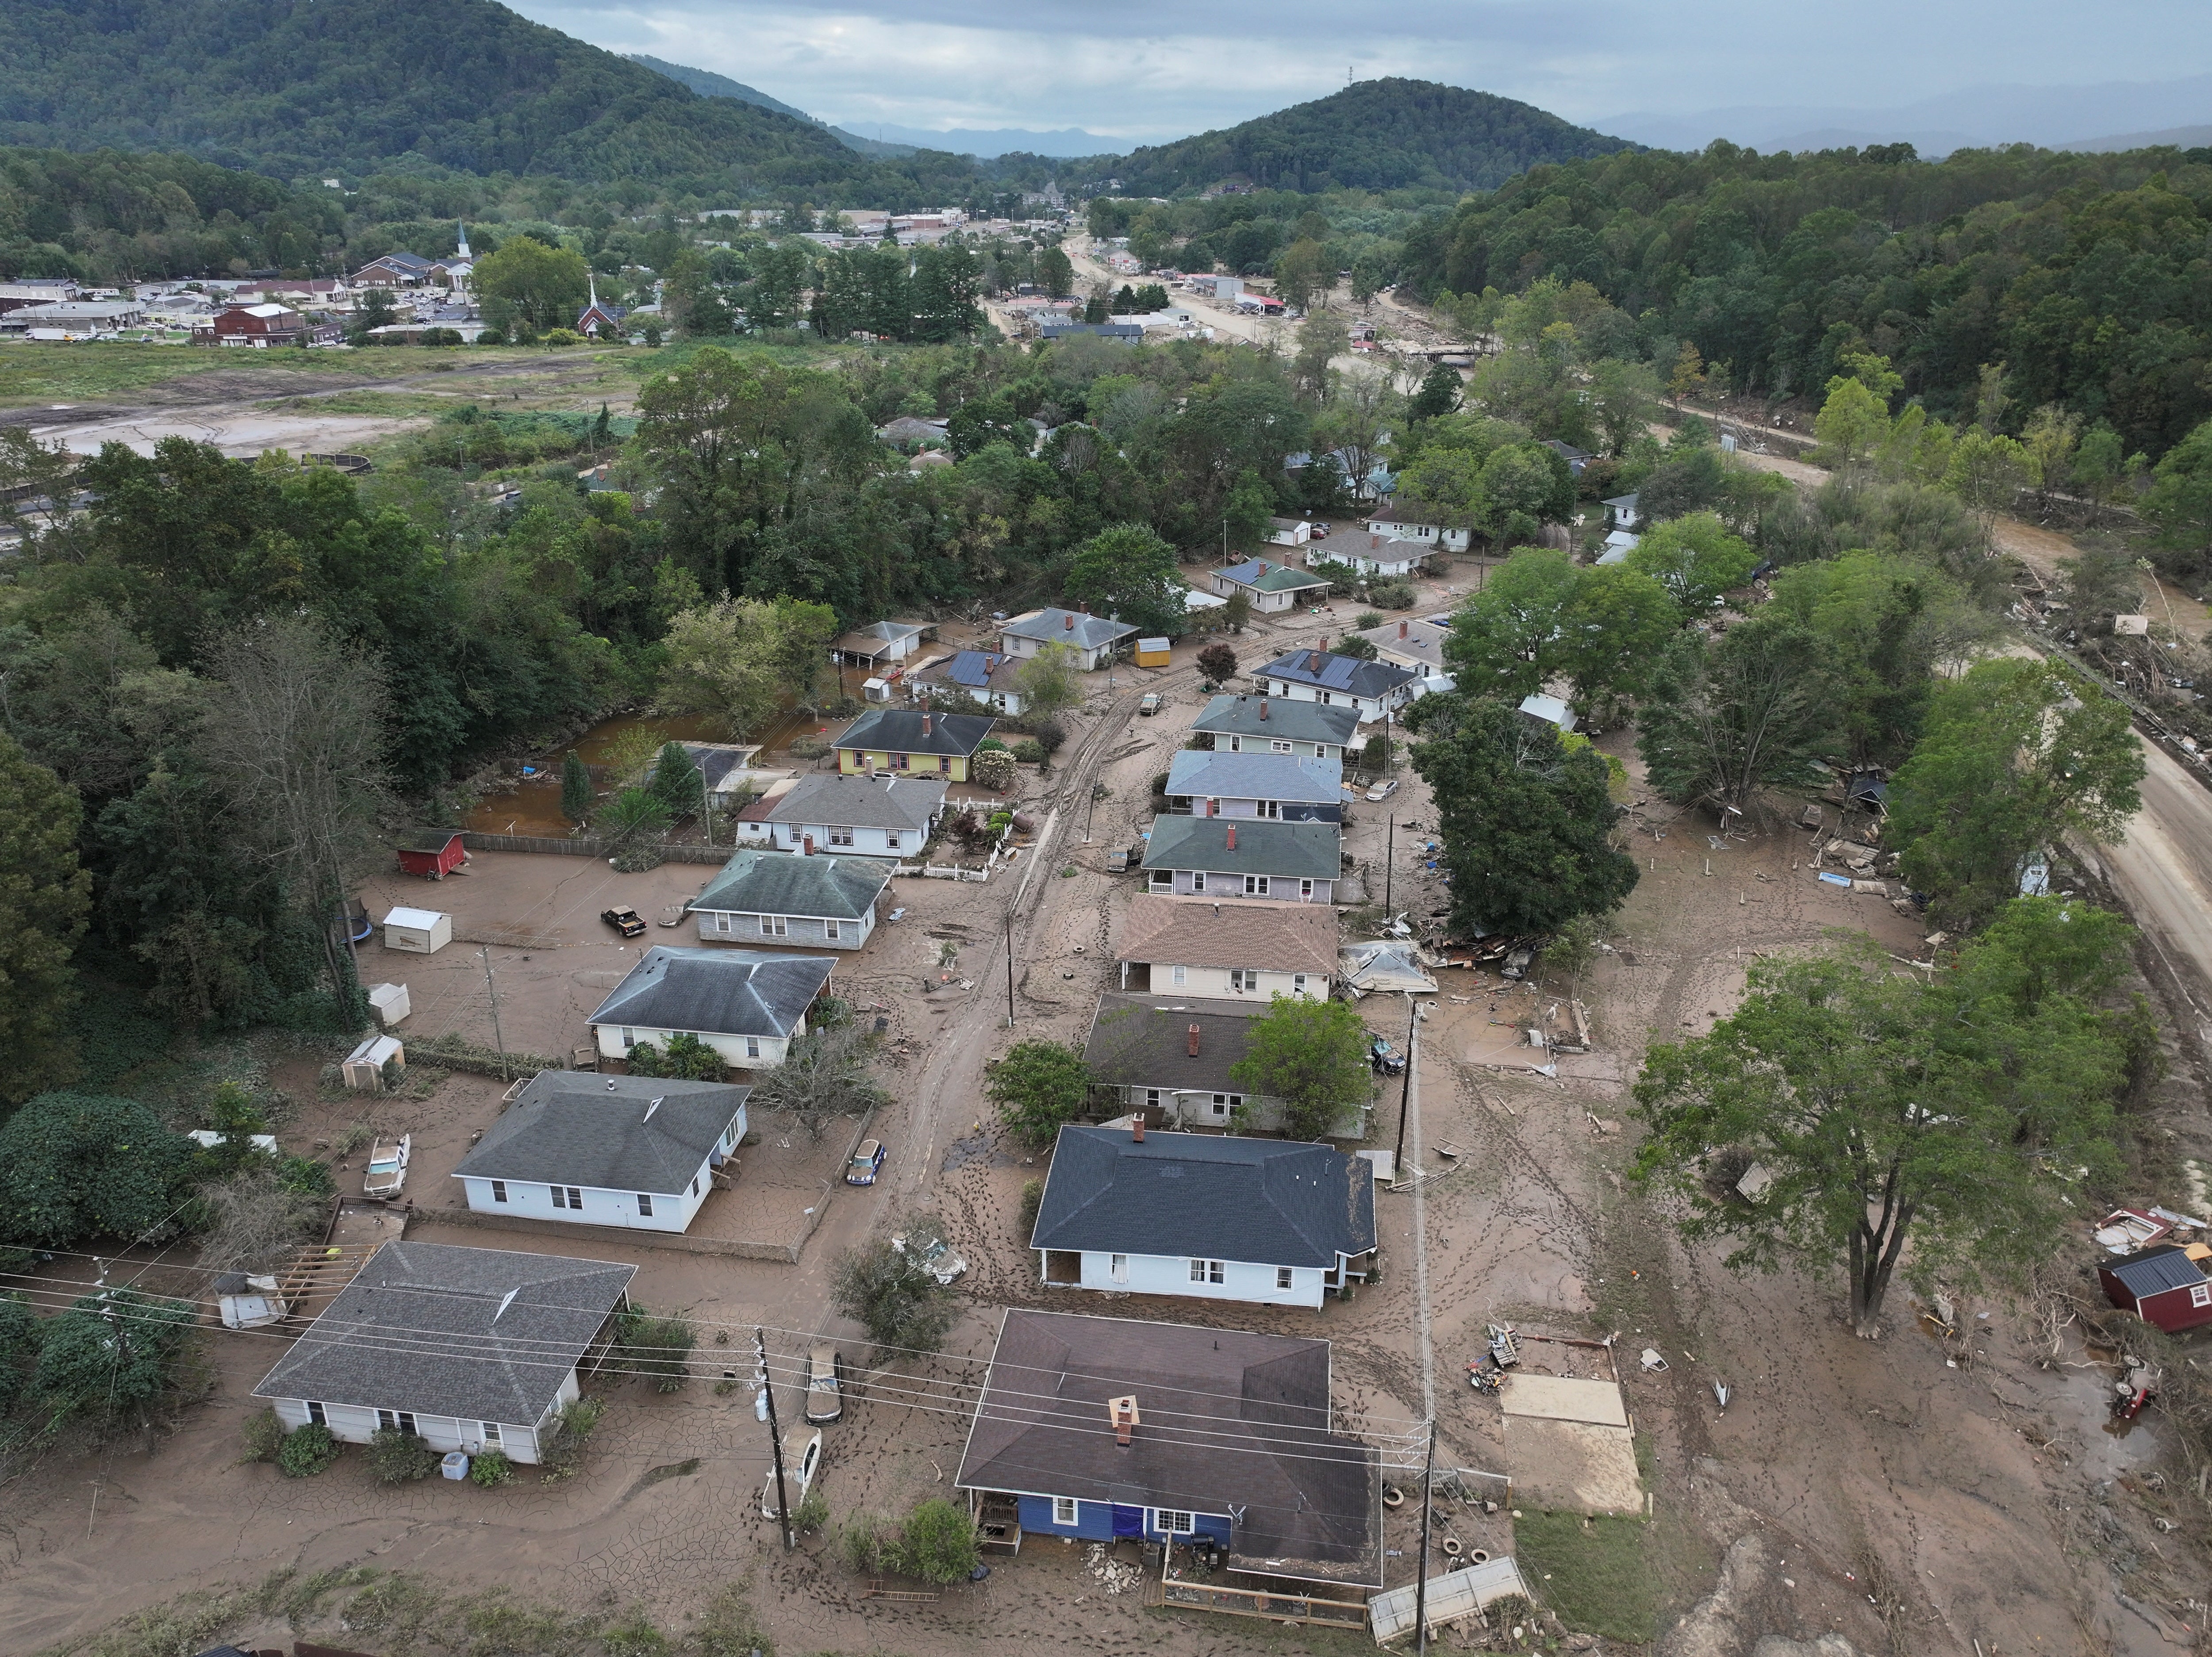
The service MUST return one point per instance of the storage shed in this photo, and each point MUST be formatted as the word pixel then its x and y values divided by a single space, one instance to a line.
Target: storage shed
pixel 432 854
pixel 419 932
pixel 1152 653
pixel 364 1065
pixel 2163 1286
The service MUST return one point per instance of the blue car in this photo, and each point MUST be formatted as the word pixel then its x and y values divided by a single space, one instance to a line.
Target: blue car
pixel 866 1160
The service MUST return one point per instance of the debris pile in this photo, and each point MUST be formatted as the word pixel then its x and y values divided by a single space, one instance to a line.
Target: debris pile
pixel 1117 1576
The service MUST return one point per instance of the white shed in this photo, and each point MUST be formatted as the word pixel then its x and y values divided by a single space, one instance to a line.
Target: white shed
pixel 390 1003
pixel 421 931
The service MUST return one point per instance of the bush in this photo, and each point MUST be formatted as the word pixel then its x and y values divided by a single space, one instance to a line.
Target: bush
pixel 813 1510
pixel 1039 1087
pixel 1395 594
pixel 1200 741
pixel 398 1458
pixel 1051 735
pixel 1033 1200
pixel 865 1544
pixel 561 1451
pixel 1218 662
pixel 659 1347
pixel 808 748
pixel 687 1058
pixel 891 1297
pixel 490 1467
pixel 306 1451
pixel 937 1542
pixel 265 1436
pixel 1368 618
pixel 563 337
pixel 634 1636
pixel 1030 751
pixel 993 768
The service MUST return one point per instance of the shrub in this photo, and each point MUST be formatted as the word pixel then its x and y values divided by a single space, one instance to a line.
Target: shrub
pixel 490 1467
pixel 865 1544
pixel 265 1436
pixel 659 1347
pixel 1395 594
pixel 1202 740
pixel 813 1510
pixel 1051 735
pixel 1039 1087
pixel 636 1637
pixel 1368 618
pixel 808 748
pixel 306 1451
pixel 993 768
pixel 728 1628
pixel 1030 751
pixel 563 337
pixel 561 1451
pixel 1218 662
pixel 891 1297
pixel 1033 1200
pixel 937 1542
pixel 398 1458
pixel 686 1058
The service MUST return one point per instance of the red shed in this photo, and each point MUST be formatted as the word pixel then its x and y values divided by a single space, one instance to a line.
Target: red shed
pixel 435 854
pixel 2162 1286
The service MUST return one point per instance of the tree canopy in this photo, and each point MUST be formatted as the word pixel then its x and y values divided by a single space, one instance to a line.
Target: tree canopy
pixel 1312 1055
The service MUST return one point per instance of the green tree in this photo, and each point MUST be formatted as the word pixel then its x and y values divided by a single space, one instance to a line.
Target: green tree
pixel 1056 273
pixel 20 1331
pixel 1525 486
pixel 686 1058
pixel 111 1354
pixel 1312 1055
pixel 938 1542
pixel 1613 629
pixel 675 780
pixel 1695 559
pixel 575 788
pixel 1988 473
pixel 1047 682
pixel 1853 422
pixel 888 1294
pixel 2014 755
pixel 1246 512
pixel 659 1347
pixel 2179 503
pixel 1039 1087
pixel 1623 396
pixel 84 1165
pixel 1130 572
pixel 1527 824
pixel 1722 721
pixel 528 283
pixel 1512 636
pixel 735 661
pixel 44 897
pixel 1438 394
pixel 1949 1116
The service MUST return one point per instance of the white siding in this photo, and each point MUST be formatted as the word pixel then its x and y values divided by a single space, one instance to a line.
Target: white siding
pixel 1168 1274
pixel 1370 707
pixel 1200 1108
pixel 1281 889
pixel 354 1423
pixel 672 1211
pixel 732 1048
pixel 1214 982
pixel 1244 744
pixel 865 842
pixel 808 932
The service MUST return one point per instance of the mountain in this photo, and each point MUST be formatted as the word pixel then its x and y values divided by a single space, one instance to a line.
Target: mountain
pixel 1377 135
pixel 986 143
pixel 2178 137
pixel 707 84
pixel 298 88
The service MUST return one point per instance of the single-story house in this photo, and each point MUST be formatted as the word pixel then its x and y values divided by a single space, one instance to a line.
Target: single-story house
pixel 1258 725
pixel 878 644
pixel 1417 644
pixel 1222 857
pixel 2162 1286
pixel 1272 1221
pixel 1316 676
pixel 1575 458
pixel 1288 531
pixel 1170 1061
pixel 1405 521
pixel 748 1006
pixel 1375 556
pixel 1092 638
pixel 1102 1428
pixel 1257 948
pixel 986 675
pixel 816 902
pixel 1271 588
pixel 912 742
pixel 471 1349
pixel 1619 544
pixel 639 1151
pixel 1621 512
pixel 724 768
pixel 1251 785
pixel 1549 709
pixel 868 816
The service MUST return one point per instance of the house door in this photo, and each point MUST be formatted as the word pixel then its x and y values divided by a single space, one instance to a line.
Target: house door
pixel 1128 1521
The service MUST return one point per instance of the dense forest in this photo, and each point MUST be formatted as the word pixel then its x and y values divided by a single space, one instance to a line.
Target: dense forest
pixel 2086 278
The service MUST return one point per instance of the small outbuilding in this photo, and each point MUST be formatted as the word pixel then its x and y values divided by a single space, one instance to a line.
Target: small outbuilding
pixel 433 853
pixel 1152 652
pixel 419 931
pixel 2164 1286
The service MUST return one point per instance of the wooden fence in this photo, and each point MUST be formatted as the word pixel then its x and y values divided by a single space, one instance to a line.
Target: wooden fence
pixel 586 845
pixel 1257 1602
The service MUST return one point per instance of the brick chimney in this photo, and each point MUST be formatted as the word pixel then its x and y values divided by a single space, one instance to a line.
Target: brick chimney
pixel 1191 1045
pixel 806 845
pixel 1137 1129
pixel 1403 626
pixel 1068 622
pixel 1122 1412
pixel 1263 708
pixel 925 724
pixel 1313 663
pixel 1233 837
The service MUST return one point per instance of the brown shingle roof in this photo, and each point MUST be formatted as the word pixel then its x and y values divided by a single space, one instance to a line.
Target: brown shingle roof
pixel 1191 931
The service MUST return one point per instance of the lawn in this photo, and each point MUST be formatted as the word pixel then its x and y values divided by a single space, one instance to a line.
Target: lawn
pixel 1595 1573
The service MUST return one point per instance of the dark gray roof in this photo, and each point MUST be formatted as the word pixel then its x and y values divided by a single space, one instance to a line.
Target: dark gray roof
pixel 1272 1202
pixel 763 882
pixel 860 802
pixel 1089 633
pixel 717 760
pixel 2153 1271
pixel 1144 1040
pixel 1299 778
pixel 1303 851
pixel 614 1132
pixel 422 1328
pixel 898 730
pixel 1240 716
pixel 717 992
pixel 1329 672
pixel 1229 1423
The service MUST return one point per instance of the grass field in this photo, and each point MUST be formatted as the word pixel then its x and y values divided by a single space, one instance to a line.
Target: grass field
pixel 1593 1572
pixel 35 374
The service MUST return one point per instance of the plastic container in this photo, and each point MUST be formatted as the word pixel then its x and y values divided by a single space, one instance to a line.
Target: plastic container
pixel 455 1464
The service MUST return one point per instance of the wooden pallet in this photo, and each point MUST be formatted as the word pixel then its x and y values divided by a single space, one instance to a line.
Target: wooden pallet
pixel 897 1596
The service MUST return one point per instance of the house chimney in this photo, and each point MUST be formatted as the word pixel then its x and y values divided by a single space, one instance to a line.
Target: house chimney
pixel 1068 622
pixel 1213 808
pixel 806 845
pixel 1137 1129
pixel 1122 1412
pixel 1313 663
pixel 925 724
pixel 1233 837
pixel 1403 626
pixel 1263 708
pixel 1192 1046
pixel 1263 566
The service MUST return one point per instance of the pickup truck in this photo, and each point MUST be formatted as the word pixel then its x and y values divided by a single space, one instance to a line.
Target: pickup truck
pixel 1149 703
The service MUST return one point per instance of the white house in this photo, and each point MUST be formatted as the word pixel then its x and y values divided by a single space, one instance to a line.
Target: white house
pixel 1316 676
pixel 1619 544
pixel 1253 950
pixel 1222 857
pixel 746 1005
pixel 879 643
pixel 808 901
pixel 1209 1217
pixel 1379 557
pixel 634 1151
pixel 1092 638
pixel 1401 521
pixel 471 1349
pixel 1271 588
pixel 1622 511
pixel 1172 1059
pixel 1259 725
pixel 1293 789
pixel 867 816
pixel 1416 644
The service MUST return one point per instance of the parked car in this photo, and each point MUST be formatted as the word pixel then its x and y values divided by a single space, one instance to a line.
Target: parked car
pixel 1383 790
pixel 387 1167
pixel 1319 532
pixel 825 1391
pixel 802 1461
pixel 1383 1058
pixel 624 919
pixel 935 1256
pixel 867 1162
pixel 1149 703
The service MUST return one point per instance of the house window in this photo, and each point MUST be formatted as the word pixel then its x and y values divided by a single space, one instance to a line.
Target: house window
pixel 568 1196
pixel 1237 745
pixel 1162 879
pixel 725 922
pixel 829 930
pixel 1225 1103
pixel 1179 976
pixel 893 839
pixel 840 837
pixel 695 1185
pixel 1324 699
pixel 490 1434
pixel 1243 977
pixel 1305 889
pixel 1282 690
pixel 317 1414
pixel 1119 1266
pixel 499 1191
pixel 1169 1522
pixel 644 1206
pixel 2200 1294
pixel 1282 1277
pixel 629 1038
pixel 1255 885
pixel 1270 808
pixel 1299 984
pixel 1278 746
pixel 1198 880
pixel 395 1421
pixel 752 1046
pixel 1208 1271
pixel 1063 1510
pixel 775 925
pixel 1153 1097
pixel 900 762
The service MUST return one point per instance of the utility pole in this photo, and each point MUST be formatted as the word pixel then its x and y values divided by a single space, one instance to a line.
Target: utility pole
pixel 1389 858
pixel 491 991
pixel 706 808
pixel 1421 1583
pixel 1405 1093
pixel 1009 966
pixel 775 1452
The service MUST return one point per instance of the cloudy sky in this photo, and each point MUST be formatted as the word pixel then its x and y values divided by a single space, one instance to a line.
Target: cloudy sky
pixel 1143 71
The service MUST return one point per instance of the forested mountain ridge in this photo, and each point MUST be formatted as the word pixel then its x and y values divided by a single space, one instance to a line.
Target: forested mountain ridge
pixel 1388 134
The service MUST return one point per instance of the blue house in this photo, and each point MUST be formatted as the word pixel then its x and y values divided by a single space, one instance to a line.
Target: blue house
pixel 1108 1428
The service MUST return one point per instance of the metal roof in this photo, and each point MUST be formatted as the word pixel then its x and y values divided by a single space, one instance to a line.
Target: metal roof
pixel 1301 851
pixel 2155 1271
pixel 757 882
pixel 1279 716
pixel 717 992
pixel 1300 779
pixel 612 1133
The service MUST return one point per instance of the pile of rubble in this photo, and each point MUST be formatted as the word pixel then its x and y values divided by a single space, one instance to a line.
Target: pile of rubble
pixel 1117 1576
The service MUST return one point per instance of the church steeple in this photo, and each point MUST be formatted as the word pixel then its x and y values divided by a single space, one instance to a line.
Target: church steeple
pixel 462 231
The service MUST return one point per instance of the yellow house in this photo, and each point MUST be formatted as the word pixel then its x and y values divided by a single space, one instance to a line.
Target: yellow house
pixel 912 742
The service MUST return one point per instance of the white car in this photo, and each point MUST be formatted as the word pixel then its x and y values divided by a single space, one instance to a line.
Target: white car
pixel 1383 790
pixel 935 1256
pixel 802 1459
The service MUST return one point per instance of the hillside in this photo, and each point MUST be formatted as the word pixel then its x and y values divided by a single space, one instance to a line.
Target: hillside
pixel 1377 135
pixel 707 84
pixel 296 90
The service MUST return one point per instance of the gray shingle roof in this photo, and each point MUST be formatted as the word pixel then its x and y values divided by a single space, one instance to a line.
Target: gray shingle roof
pixel 2153 1271
pixel 570 1127
pixel 1331 673
pixel 1144 1040
pixel 1272 1202
pixel 422 1328
pixel 717 992
pixel 1231 1423
pixel 1301 851
pixel 1089 633
pixel 760 882
pixel 1239 716
pixel 1303 779
pixel 860 802
pixel 898 730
